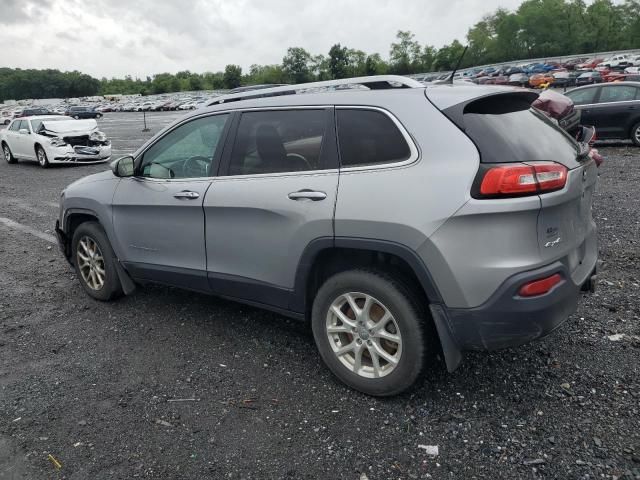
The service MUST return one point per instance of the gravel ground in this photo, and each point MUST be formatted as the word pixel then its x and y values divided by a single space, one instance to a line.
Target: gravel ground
pixel 175 385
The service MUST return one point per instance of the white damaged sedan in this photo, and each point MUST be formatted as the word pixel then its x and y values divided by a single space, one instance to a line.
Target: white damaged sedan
pixel 52 139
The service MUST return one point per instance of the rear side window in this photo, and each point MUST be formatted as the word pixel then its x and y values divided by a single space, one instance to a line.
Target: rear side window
pixel 621 93
pixel 507 130
pixel 278 141
pixel 583 97
pixel 369 137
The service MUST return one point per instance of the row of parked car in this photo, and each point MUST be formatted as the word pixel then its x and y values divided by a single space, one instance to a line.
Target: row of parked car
pixel 573 72
pixel 76 112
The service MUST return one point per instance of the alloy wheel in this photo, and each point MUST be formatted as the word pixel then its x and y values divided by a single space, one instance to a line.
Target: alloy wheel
pixel 91 263
pixel 636 134
pixel 7 153
pixel 364 335
pixel 42 157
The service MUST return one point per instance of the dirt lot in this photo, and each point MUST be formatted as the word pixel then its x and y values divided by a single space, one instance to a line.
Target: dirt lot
pixel 175 385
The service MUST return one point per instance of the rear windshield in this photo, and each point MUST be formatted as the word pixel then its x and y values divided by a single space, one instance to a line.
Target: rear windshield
pixel 508 129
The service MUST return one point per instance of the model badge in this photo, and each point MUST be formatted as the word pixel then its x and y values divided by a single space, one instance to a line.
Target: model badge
pixel 553 243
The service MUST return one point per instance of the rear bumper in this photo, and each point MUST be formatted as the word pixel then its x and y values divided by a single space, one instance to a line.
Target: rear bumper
pixel 508 320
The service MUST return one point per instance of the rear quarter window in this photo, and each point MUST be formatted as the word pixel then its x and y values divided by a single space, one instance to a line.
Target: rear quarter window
pixel 508 130
pixel 369 137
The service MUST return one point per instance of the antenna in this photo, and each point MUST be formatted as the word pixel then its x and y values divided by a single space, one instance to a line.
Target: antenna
pixel 450 79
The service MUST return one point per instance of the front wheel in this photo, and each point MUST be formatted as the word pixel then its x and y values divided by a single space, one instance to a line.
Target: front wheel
pixel 635 134
pixel 42 157
pixel 8 155
pixel 95 262
pixel 371 331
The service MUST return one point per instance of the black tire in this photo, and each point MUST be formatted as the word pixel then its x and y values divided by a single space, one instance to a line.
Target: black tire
pixel 409 313
pixel 99 115
pixel 635 134
pixel 76 117
pixel 41 155
pixel 8 155
pixel 111 288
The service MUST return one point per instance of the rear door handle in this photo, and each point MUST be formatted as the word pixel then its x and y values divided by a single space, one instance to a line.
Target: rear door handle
pixel 306 194
pixel 186 194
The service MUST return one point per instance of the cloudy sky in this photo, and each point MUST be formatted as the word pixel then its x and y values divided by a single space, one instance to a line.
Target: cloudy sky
pixel 143 37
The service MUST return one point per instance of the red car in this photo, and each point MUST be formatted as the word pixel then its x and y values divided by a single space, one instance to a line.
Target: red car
pixel 589 64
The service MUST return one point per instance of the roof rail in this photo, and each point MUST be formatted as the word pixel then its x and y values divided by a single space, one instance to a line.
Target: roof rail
pixel 375 82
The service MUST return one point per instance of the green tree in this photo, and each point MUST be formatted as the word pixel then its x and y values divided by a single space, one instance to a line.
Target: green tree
pixel 296 65
pixel 405 54
pixel 232 76
pixel 338 61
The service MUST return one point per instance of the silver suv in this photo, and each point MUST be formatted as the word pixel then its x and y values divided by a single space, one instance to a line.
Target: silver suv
pixel 401 220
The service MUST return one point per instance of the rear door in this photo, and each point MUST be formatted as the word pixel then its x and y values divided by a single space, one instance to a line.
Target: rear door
pixel 157 214
pixel 275 195
pixel 584 99
pixel 615 108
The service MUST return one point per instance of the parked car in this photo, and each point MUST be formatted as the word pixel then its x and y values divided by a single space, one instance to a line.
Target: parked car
pixel 634 70
pixel 82 112
pixel 613 108
pixel 589 64
pixel 616 61
pixel 299 229
pixel 31 111
pixel 588 78
pixel 6 116
pixel 501 80
pixel 541 80
pixel 54 139
pixel 565 79
pixel 519 79
pixel 572 63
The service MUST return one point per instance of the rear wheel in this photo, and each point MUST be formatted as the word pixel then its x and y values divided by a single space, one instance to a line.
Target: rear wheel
pixel 635 134
pixel 8 156
pixel 41 155
pixel 95 262
pixel 370 331
pixel 77 117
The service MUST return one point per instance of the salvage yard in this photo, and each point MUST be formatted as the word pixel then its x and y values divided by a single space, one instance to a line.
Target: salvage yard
pixel 169 384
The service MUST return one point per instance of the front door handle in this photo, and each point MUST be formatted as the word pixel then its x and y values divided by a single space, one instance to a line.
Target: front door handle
pixel 186 194
pixel 306 194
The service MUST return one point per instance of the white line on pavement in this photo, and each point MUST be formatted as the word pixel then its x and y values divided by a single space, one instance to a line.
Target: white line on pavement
pixel 24 228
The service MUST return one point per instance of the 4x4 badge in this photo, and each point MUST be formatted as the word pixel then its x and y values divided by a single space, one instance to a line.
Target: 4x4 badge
pixel 552 243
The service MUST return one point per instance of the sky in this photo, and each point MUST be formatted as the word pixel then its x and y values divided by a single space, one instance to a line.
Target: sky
pixel 114 38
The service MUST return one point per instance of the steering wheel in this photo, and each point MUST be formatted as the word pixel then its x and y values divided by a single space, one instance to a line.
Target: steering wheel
pixel 300 157
pixel 197 166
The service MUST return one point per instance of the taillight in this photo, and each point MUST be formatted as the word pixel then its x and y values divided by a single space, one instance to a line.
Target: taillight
pixel 539 287
pixel 519 179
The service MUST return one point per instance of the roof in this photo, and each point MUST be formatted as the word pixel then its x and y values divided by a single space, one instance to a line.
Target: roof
pixel 43 117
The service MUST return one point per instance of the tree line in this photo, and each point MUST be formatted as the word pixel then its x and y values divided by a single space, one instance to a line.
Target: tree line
pixel 538 28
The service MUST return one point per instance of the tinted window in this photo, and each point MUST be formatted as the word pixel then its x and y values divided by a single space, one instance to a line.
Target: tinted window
pixel 278 141
pixel 369 137
pixel 584 96
pixel 187 151
pixel 509 130
pixel 621 93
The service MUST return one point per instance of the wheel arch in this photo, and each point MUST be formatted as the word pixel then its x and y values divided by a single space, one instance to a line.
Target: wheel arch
pixel 324 257
pixel 73 218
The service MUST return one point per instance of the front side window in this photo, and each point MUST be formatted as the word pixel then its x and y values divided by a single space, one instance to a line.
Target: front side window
pixel 278 141
pixel 582 97
pixel 15 126
pixel 369 137
pixel 622 93
pixel 187 151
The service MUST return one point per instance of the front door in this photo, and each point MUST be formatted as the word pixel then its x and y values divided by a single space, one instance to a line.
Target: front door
pixel 277 196
pixel 157 214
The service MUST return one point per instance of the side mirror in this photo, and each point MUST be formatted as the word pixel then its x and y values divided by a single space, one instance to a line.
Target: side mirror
pixel 123 166
pixel 23 131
